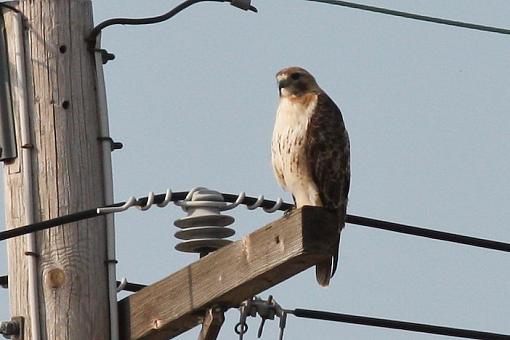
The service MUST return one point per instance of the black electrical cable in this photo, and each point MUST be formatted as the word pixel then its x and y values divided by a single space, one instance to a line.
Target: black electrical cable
pixel 415 16
pixel 91 213
pixel 156 19
pixel 394 324
pixel 360 320
pixel 129 287
pixel 428 233
pixel 30 228
pixel 143 21
pixel 74 217
pixel 352 219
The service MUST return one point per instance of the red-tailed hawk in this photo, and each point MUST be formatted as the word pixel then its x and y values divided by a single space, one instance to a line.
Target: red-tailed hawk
pixel 310 150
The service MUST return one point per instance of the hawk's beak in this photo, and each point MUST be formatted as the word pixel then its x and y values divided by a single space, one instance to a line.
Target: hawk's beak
pixel 282 83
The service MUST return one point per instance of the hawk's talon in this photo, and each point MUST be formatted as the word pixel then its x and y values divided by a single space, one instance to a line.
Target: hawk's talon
pixel 289 211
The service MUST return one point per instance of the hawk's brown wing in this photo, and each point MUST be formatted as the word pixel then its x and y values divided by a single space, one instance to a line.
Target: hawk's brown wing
pixel 327 152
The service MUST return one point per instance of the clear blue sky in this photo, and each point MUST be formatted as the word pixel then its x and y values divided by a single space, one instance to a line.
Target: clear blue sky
pixel 427 108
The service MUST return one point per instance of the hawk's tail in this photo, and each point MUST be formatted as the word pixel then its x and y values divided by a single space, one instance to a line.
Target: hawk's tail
pixel 325 270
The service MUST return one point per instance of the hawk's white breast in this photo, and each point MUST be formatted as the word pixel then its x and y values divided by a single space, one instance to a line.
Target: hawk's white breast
pixel 289 159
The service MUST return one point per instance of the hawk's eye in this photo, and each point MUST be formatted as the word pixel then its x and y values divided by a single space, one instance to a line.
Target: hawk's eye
pixel 295 76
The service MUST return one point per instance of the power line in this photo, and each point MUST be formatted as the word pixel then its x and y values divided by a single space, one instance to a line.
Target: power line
pixel 90 213
pixel 428 233
pixel 142 21
pixel 129 286
pixel 360 320
pixel 415 16
pixel 394 324
pixel 242 4
pixel 51 223
pixel 352 219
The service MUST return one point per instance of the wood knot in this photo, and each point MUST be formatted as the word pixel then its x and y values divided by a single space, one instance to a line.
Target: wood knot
pixel 55 278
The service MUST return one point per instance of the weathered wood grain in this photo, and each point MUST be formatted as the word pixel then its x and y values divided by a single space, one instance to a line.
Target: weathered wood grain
pixel 230 275
pixel 66 163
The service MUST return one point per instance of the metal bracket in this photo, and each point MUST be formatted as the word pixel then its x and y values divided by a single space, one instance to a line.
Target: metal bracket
pixel 105 55
pixel 12 329
pixel 244 5
pixel 266 309
pixel 8 150
pixel 113 144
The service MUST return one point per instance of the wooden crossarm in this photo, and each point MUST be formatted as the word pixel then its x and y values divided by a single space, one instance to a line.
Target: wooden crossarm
pixel 230 275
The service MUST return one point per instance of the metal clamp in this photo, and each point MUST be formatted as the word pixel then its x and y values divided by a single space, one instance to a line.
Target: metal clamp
pixel 244 5
pixel 105 55
pixel 108 210
pixel 266 309
pixel 113 144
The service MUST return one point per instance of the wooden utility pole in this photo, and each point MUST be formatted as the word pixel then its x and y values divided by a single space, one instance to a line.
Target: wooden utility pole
pixel 65 159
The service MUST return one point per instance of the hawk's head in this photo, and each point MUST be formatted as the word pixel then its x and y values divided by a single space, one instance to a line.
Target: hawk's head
pixel 295 82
